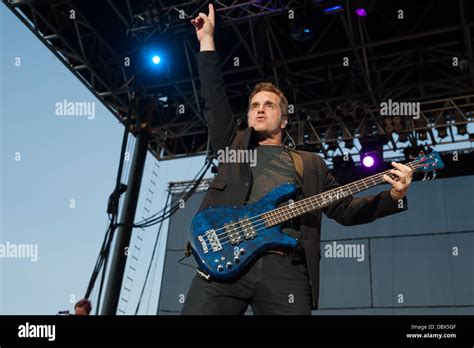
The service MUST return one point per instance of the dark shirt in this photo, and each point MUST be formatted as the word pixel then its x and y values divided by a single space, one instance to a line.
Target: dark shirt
pixel 273 168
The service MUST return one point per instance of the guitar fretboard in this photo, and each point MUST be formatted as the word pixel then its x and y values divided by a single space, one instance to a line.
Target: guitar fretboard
pixel 294 209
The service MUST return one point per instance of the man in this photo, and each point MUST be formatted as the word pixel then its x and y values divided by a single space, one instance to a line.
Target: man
pixel 280 281
pixel 83 307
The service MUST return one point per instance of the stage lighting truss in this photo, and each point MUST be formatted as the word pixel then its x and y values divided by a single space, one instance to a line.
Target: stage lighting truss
pixel 314 73
pixel 435 125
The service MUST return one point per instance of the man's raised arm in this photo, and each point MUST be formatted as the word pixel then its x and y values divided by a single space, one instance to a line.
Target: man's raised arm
pixel 217 111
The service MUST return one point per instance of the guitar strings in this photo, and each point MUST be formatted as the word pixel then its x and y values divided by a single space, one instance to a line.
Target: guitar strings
pixel 227 239
pixel 306 201
pixel 278 210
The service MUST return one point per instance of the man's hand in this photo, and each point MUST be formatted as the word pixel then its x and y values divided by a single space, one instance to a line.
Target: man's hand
pixel 400 184
pixel 204 25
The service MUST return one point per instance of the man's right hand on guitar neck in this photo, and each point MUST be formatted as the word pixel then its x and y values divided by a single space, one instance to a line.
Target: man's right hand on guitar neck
pixel 204 25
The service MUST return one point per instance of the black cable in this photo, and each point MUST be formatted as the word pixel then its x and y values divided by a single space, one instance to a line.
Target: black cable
pixel 152 258
pixel 104 268
pixel 152 217
pixel 187 195
pixel 104 251
pixel 108 238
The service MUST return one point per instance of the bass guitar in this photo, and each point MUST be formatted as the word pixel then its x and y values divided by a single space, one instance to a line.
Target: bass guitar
pixel 225 240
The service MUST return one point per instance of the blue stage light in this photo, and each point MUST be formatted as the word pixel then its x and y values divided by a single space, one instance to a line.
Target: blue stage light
pixel 333 9
pixel 156 59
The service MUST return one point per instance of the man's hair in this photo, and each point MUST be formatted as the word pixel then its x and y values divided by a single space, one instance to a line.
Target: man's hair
pixel 84 303
pixel 269 87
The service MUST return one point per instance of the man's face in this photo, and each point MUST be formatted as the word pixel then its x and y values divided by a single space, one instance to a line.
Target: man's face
pixel 265 114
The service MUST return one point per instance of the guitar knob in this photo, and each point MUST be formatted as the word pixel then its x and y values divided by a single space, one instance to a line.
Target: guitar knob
pixel 228 264
pixel 236 259
pixel 242 251
pixel 220 268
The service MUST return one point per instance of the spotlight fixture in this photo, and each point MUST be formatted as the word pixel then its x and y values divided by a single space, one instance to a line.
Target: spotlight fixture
pixel 461 128
pixel 371 154
pixel 333 9
pixel 302 27
pixel 361 12
pixel 368 159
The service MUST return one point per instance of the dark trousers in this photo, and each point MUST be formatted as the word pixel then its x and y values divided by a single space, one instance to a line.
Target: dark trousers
pixel 272 286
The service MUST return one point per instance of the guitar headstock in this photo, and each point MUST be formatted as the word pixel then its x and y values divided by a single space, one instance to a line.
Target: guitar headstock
pixel 428 162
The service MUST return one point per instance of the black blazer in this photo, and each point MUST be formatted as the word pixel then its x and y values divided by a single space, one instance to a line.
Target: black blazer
pixel 233 182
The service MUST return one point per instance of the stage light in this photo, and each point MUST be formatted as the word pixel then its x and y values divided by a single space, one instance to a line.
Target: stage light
pixel 461 127
pixel 422 135
pixel 359 111
pixel 301 28
pixel 349 144
pixel 361 12
pixel 442 132
pixel 333 9
pixel 403 137
pixel 420 125
pixel 156 59
pixel 411 152
pixel 151 15
pixel 388 125
pixel 371 154
pixel 368 161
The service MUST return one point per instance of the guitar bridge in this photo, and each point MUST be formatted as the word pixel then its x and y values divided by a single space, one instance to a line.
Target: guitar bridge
pixel 203 244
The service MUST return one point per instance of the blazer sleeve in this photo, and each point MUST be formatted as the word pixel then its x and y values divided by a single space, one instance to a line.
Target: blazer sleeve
pixel 355 211
pixel 217 112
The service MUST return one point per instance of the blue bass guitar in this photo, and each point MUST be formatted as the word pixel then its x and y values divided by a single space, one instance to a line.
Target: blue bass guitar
pixel 225 240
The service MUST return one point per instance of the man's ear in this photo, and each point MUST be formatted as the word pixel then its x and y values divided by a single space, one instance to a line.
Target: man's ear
pixel 284 122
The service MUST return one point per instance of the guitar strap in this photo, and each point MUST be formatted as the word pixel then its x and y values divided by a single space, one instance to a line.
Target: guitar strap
pixel 297 254
pixel 298 164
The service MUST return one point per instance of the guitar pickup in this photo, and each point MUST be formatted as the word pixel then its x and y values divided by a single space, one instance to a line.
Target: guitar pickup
pixel 233 233
pixel 247 228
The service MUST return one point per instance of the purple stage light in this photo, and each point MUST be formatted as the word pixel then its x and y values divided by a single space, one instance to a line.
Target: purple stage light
pixel 361 12
pixel 368 161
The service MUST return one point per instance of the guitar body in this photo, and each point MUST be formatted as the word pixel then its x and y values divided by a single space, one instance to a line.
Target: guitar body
pixel 226 240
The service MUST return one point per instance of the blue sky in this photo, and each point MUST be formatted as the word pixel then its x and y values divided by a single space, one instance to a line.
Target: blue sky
pixel 62 158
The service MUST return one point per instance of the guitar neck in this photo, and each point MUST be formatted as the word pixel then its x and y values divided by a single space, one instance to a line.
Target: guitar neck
pixel 294 209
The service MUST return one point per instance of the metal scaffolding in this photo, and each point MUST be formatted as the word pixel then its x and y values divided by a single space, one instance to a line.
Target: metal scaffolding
pixel 335 81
